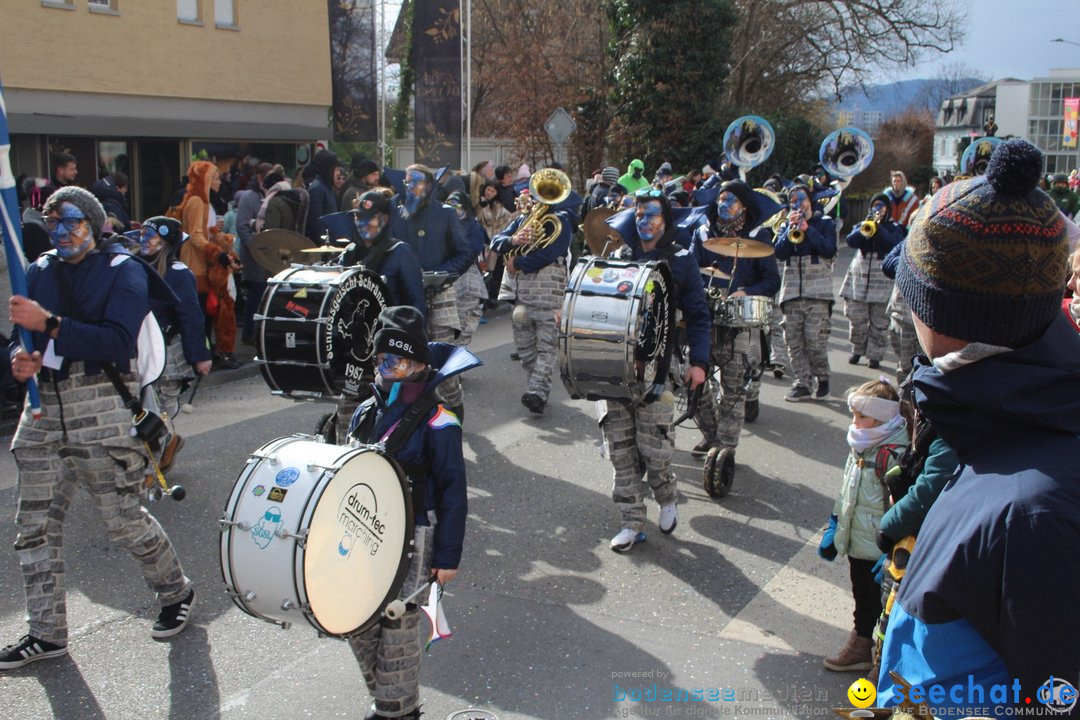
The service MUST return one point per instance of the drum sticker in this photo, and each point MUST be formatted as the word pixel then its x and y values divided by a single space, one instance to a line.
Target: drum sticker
pixel 630 273
pixel 286 477
pixel 611 275
pixel 297 309
pixel 353 317
pixel 258 490
pixel 290 340
pixel 625 286
pixel 301 294
pixel 358 515
pixel 264 530
pixel 276 494
pixel 594 272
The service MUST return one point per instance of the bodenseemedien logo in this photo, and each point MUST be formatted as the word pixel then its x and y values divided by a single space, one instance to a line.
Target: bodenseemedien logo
pixel 1058 695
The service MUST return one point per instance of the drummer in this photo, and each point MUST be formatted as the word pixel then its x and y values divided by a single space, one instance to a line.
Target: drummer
pixel 642 437
pixel 410 370
pixel 735 214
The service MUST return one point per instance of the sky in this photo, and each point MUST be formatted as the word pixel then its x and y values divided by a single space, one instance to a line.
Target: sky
pixel 1011 38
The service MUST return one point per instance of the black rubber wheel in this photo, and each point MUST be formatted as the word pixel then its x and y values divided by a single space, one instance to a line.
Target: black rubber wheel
pixel 719 472
pixel 177 493
pixel 327 428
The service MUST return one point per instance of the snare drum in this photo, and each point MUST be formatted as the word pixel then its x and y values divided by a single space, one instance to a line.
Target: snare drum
pixel 746 311
pixel 618 328
pixel 315 330
pixel 316 533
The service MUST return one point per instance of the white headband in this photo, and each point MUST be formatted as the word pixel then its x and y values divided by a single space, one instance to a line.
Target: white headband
pixel 875 407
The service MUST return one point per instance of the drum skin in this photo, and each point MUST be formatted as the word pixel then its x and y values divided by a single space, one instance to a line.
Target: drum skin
pixel 353 511
pixel 315 328
pixel 747 311
pixel 616 314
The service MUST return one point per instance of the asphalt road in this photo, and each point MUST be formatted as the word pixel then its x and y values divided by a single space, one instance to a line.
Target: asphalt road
pixel 547 621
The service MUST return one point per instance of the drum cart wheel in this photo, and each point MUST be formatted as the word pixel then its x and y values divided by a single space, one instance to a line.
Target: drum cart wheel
pixel 719 472
pixel 326 428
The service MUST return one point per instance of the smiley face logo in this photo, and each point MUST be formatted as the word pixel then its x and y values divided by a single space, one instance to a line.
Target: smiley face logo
pixel 862 693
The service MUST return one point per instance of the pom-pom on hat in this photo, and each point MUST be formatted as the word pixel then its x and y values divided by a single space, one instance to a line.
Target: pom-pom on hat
pixel 167 228
pixel 985 259
pixel 401 332
pixel 84 200
pixel 371 203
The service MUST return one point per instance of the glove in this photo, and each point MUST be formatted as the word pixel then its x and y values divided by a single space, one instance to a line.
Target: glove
pixel 654 393
pixel 879 569
pixel 884 542
pixel 827 549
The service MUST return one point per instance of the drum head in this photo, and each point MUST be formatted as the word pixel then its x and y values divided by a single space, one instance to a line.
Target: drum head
pixel 352 317
pixel 357 547
pixel 656 316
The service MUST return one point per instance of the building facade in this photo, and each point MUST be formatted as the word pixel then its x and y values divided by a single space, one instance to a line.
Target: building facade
pixel 140 87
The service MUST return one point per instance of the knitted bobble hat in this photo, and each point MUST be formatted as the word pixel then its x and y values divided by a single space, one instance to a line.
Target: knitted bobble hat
pixel 985 259
pixel 88 205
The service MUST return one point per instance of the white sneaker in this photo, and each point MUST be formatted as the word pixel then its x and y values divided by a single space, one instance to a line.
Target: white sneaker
pixel 626 540
pixel 669 517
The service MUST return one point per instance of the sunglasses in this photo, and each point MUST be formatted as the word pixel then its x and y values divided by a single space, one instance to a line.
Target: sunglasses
pixel 649 193
pixel 71 224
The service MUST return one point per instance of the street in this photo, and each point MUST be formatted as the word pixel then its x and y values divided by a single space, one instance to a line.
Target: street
pixel 547 621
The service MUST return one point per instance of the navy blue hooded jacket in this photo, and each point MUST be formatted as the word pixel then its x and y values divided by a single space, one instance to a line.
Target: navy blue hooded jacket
pixel 754 276
pixel 434 445
pixel 398 267
pixel 993 586
pixel 184 317
pixel 435 235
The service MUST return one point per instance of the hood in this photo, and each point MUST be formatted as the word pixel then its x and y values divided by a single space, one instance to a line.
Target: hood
pixel 104 189
pixel 635 165
pixel 449 360
pixel 1034 390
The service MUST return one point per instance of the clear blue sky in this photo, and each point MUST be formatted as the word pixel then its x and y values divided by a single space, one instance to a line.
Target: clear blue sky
pixel 1011 38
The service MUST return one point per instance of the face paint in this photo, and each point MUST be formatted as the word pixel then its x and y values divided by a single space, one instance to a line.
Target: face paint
pixel 393 367
pixel 649 218
pixel 369 229
pixel 728 207
pixel 415 189
pixel 70 232
pixel 150 242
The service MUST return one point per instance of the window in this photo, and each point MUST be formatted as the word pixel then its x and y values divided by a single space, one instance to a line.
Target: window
pixel 225 13
pixel 107 7
pixel 189 11
pixel 59 4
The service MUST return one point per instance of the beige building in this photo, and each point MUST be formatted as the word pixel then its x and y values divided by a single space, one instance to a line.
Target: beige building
pixel 140 86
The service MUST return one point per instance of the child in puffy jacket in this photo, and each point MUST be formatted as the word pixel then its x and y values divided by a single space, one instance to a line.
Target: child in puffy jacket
pixel 877 436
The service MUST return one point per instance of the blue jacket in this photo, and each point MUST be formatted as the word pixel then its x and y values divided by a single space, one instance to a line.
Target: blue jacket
pixel 184 317
pixel 321 201
pixel 889 234
pixel 476 236
pixel 398 268
pixel 892 260
pixel 993 586
pixel 756 276
pixel 436 237
pixel 435 446
pixel 689 289
pixel 820 240
pixel 104 300
pixel 542 257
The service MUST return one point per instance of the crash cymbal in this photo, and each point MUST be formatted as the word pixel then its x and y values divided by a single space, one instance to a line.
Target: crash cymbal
pixel 275 250
pixel 598 232
pixel 738 247
pixel 716 273
pixel 322 249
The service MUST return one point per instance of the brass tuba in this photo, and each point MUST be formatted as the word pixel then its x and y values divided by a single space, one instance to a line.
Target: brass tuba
pixel 977 156
pixel 748 142
pixel 548 187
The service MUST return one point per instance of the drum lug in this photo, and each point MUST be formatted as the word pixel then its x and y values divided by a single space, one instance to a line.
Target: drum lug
pixel 249 595
pixel 288 604
pixel 300 537
pixel 225 522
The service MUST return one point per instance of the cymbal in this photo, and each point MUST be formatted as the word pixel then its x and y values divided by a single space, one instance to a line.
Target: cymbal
pixel 275 250
pixel 716 273
pixel 598 232
pixel 322 249
pixel 738 247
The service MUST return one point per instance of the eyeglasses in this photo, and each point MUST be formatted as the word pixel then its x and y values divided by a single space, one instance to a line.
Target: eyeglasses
pixel 71 224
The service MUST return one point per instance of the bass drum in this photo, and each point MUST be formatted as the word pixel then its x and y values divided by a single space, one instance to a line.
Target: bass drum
pixel 317 533
pixel 617 330
pixel 315 329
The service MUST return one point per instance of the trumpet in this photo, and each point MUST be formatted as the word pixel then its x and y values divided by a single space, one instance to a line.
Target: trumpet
pixel 548 187
pixel 795 235
pixel 868 228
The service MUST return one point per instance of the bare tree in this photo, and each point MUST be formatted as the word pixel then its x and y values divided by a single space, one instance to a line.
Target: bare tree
pixel 951 79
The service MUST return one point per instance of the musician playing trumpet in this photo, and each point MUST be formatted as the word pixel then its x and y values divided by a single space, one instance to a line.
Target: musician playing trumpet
pixel 537 278
pixel 865 288
pixel 806 245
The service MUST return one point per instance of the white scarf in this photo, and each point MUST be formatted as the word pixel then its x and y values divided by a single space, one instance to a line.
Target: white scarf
pixel 972 352
pixel 862 439
pixel 277 187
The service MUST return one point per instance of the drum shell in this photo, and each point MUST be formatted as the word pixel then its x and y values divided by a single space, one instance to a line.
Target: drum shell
pixel 747 311
pixel 273 576
pixel 600 326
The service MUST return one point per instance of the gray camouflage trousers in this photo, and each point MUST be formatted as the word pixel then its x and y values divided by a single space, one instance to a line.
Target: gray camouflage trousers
pixel 869 323
pixel 806 329
pixel 389 651
pixel 778 351
pixel 639 440
pixel 721 410
pixel 905 343
pixel 443 325
pixel 471 292
pixel 536 337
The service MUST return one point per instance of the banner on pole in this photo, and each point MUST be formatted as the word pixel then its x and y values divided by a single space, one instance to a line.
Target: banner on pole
pixel 437 59
pixel 354 70
pixel 1072 123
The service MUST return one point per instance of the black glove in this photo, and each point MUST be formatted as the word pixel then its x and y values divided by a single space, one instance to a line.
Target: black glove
pixel 884 542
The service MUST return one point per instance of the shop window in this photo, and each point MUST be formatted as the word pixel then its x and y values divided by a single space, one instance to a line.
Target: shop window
pixel 189 11
pixel 225 14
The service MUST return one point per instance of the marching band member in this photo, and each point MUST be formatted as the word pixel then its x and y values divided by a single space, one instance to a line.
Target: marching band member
pixel 902 336
pixel 425 439
pixel 865 289
pixel 181 324
pixel 806 244
pixel 470 289
pixel 85 306
pixel 642 437
pixel 538 281
pixel 721 413
pixel 904 199
pixel 436 237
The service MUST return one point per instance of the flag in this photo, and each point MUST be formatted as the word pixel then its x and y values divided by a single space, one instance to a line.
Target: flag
pixel 434 610
pixel 11 229
pixel 1072 120
pixel 437 52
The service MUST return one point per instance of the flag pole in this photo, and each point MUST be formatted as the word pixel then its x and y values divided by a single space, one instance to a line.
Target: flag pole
pixel 11 229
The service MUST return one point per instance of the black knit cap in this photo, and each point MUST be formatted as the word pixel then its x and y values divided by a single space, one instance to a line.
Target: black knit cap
pixel 167 227
pixel 401 332
pixel 739 189
pixel 371 203
pixel 985 259
pixel 362 167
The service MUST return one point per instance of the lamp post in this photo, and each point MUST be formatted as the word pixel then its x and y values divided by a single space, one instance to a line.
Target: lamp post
pixel 1067 42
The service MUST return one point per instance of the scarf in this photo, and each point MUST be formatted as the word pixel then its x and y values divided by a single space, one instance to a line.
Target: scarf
pixel 277 187
pixel 967 355
pixel 862 439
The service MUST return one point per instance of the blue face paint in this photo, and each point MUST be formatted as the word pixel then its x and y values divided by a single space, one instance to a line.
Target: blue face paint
pixel 393 367
pixel 149 242
pixel 650 222
pixel 725 207
pixel 415 190
pixel 60 231
pixel 366 230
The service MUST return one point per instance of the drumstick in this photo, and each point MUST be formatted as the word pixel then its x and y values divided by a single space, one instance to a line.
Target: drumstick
pixel 397 607
pixel 186 407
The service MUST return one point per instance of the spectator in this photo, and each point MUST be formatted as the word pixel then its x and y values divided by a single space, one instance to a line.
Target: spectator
pixel 504 181
pixel 248 202
pixel 322 195
pixel 364 177
pixel 903 198
pixel 64 171
pixel 111 192
pixel 284 206
pixel 995 575
pixel 1068 202
pixel 1071 305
